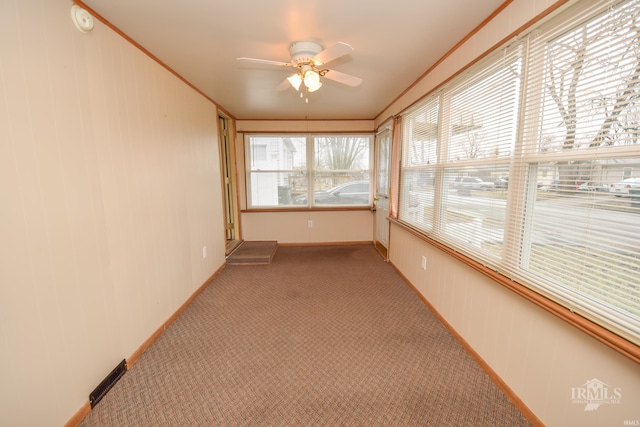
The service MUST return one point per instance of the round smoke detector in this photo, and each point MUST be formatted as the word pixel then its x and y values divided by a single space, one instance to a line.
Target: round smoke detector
pixel 81 18
pixel 303 52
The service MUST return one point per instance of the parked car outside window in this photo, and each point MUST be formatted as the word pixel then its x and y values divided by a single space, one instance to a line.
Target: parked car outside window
pixel 592 186
pixel 622 188
pixel 472 183
pixel 502 182
pixel 349 193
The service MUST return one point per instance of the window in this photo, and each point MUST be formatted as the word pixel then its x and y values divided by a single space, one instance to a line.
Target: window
pixel 276 170
pixel 529 162
pixel 297 171
pixel 458 149
pixel 581 125
pixel 420 135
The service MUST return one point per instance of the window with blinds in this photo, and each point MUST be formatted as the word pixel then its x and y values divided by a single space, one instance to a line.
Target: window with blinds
pixel 534 161
pixel 419 158
pixel 297 171
pixel 582 123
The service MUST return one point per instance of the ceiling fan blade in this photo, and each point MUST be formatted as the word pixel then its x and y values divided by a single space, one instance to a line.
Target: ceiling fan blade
pixel 343 78
pixel 266 62
pixel 334 52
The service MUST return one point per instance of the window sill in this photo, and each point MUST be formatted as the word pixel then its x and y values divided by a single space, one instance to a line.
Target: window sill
pixel 309 209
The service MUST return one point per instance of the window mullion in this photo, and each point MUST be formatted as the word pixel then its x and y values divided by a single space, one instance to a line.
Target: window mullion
pixel 515 216
pixel 311 168
pixel 444 121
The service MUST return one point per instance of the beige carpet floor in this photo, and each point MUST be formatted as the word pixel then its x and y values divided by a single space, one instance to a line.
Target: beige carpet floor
pixel 322 336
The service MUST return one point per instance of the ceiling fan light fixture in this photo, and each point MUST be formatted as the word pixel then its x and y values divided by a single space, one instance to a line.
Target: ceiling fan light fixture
pixel 314 88
pixel 312 80
pixel 295 80
pixel 309 59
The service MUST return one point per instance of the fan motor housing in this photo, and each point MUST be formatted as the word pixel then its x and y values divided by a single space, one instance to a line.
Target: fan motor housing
pixel 303 52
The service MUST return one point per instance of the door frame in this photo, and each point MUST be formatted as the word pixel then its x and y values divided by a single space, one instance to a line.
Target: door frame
pixel 382 199
pixel 228 171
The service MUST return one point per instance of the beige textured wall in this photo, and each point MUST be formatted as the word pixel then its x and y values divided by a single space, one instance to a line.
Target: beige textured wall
pixel 293 227
pixel 540 357
pixel 304 126
pixel 109 189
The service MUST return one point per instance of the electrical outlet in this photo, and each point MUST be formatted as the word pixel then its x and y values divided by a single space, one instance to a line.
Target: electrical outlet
pixel 310 223
pixel 204 252
pixel 424 262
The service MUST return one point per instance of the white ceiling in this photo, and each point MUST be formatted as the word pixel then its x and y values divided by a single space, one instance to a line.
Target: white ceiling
pixel 395 42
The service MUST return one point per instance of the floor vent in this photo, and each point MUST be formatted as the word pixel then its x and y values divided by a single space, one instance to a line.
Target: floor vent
pixel 107 383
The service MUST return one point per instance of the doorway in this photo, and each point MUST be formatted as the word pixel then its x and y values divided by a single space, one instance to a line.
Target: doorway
pixel 227 160
pixel 383 163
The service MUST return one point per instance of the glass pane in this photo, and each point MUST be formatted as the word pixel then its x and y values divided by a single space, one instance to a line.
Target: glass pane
pixel 474 205
pixel 483 113
pixel 341 153
pixel 277 170
pixel 416 199
pixel 342 170
pixel 586 233
pixel 278 188
pixel 384 160
pixel 351 189
pixel 420 136
pixel 591 79
pixel 277 153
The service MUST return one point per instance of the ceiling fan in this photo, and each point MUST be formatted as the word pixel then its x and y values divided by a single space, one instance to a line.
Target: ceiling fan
pixel 309 59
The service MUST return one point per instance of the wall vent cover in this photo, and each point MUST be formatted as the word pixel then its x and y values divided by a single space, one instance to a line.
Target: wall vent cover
pixel 107 383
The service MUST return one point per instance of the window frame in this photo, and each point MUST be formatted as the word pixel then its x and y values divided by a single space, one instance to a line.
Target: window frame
pixel 310 172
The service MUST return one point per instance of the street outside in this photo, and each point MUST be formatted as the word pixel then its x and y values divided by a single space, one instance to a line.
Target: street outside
pixel 555 219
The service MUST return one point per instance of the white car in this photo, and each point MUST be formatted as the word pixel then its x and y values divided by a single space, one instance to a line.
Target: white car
pixel 622 188
pixel 349 193
pixel 472 182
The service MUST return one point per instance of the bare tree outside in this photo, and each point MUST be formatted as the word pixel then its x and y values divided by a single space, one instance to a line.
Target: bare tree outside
pixel 472 144
pixel 341 153
pixel 342 156
pixel 593 110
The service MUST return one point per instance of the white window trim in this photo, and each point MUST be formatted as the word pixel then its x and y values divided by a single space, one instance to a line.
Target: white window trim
pixel 310 171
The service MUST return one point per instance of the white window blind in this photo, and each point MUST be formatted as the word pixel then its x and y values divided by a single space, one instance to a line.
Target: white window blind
pixel 419 158
pixel 480 112
pixel 457 150
pixel 582 121
pixel 529 162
